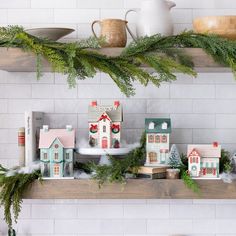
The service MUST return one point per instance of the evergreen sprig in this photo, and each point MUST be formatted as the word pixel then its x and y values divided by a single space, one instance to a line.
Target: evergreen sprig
pixel 184 175
pixel 116 171
pixel 79 60
pixel 12 190
pixel 226 164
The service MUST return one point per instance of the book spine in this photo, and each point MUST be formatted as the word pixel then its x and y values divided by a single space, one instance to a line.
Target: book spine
pixel 28 138
pixel 21 146
pixel 33 123
pixel 153 176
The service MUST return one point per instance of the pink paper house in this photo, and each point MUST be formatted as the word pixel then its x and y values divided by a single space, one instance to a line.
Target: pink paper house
pixel 204 160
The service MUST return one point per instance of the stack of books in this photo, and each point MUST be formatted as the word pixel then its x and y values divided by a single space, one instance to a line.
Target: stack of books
pixel 152 172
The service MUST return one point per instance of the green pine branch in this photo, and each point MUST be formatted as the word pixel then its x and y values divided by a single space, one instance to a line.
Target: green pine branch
pixel 115 173
pixel 12 190
pixel 184 175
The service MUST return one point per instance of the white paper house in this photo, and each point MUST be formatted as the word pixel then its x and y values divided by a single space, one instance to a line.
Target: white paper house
pixel 105 125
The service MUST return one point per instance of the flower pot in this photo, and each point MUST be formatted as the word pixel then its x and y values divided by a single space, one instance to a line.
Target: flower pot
pixel 172 173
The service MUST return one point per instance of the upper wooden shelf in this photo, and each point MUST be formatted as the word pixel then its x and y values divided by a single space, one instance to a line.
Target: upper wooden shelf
pixel 133 189
pixel 16 60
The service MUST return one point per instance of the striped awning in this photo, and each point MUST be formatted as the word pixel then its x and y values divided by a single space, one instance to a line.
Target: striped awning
pixel 209 165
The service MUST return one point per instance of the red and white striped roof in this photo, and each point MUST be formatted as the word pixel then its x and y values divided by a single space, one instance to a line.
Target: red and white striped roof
pixel 205 150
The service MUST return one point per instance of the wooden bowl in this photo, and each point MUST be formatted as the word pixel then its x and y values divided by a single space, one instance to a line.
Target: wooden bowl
pixel 50 33
pixel 224 26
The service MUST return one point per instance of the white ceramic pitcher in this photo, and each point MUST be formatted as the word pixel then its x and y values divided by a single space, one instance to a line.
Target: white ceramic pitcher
pixel 153 18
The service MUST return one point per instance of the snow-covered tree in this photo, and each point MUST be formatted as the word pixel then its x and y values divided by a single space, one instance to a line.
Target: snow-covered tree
pixel 174 157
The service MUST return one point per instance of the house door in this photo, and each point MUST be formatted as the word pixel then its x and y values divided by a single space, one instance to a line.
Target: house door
pixel 56 170
pixel 194 171
pixel 104 142
pixel 152 157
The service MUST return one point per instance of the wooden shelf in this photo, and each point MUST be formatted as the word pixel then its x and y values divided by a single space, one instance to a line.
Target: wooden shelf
pixel 134 189
pixel 16 60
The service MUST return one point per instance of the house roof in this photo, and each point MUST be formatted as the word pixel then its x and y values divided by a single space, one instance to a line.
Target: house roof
pixel 95 112
pixel 67 138
pixel 194 152
pixel 157 125
pixel 104 116
pixel 205 150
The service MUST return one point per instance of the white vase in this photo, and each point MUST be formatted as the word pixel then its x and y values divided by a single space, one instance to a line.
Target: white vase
pixel 153 18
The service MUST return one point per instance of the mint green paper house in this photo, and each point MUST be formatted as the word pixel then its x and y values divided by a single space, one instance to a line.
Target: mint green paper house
pixel 56 152
pixel 157 141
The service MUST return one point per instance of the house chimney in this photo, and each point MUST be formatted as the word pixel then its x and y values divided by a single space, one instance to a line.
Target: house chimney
pixel 215 144
pixel 69 127
pixel 94 103
pixel 45 128
pixel 116 103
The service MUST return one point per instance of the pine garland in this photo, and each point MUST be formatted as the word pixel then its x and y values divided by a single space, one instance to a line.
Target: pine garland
pixel 79 60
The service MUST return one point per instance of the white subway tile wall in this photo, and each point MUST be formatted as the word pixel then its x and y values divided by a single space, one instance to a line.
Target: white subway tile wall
pixel 202 111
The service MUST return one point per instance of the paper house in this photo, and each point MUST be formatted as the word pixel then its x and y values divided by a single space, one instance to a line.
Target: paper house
pixel 204 160
pixel 56 152
pixel 105 125
pixel 157 141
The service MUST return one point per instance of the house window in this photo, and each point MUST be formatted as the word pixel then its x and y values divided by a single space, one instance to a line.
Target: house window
pixel 164 154
pixel 150 138
pixel 56 156
pixel 104 120
pixel 194 160
pixel 164 125
pixel 104 129
pixel 209 170
pixel 204 171
pixel 151 125
pixel 46 170
pixel 67 170
pixel 56 169
pixel 67 156
pixel 164 139
pixel 152 157
pixel 157 139
pixel 214 171
pixel 56 146
pixel 45 156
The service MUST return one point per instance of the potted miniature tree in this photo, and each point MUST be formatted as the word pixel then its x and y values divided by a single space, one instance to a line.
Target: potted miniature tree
pixel 174 162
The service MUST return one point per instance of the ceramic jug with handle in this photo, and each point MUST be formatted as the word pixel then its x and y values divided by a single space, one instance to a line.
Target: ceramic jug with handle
pixel 153 18
pixel 113 31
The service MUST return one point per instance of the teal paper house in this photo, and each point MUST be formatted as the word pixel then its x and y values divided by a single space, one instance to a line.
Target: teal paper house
pixel 56 152
pixel 157 141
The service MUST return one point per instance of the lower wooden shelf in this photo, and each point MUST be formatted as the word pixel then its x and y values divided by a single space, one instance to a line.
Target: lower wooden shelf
pixel 133 189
